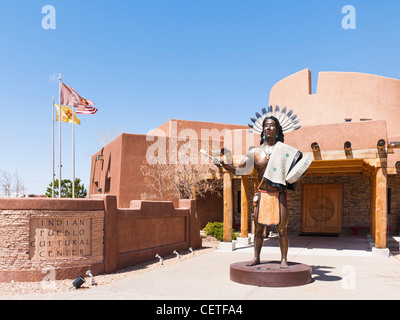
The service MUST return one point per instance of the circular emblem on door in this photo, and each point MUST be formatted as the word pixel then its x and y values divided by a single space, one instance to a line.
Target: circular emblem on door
pixel 322 209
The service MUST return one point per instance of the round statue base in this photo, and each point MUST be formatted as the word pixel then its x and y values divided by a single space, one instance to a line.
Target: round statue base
pixel 269 274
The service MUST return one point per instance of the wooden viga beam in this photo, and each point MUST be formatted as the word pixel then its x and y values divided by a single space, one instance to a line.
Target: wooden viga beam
pixel 316 151
pixel 381 144
pixel 393 145
pixel 347 148
pixel 315 147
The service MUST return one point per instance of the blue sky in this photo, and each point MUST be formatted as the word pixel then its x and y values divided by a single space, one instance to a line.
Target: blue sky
pixel 145 62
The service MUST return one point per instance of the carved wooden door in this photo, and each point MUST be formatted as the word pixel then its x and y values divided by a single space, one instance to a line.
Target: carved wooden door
pixel 322 208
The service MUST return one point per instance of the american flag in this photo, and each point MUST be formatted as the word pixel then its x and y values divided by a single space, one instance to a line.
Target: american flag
pixel 87 110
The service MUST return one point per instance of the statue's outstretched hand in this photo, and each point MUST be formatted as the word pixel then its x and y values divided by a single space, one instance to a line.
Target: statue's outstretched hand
pixel 218 163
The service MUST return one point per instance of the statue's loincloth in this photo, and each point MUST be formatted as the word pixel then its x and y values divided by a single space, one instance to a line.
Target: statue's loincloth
pixel 268 210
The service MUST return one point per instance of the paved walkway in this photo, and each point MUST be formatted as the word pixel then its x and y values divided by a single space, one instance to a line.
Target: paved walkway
pixel 343 268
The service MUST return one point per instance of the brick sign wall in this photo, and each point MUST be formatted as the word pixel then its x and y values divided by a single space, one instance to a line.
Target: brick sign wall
pixel 67 235
pixel 56 238
pixel 73 236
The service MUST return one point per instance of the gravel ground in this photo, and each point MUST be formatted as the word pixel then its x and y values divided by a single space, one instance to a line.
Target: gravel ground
pixel 21 288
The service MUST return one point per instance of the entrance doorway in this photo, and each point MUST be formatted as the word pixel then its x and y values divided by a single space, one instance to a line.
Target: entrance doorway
pixel 322 208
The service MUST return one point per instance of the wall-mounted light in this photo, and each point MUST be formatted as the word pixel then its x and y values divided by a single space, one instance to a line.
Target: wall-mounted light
pixel 100 157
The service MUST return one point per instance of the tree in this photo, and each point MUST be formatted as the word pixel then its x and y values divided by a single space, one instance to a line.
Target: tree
pixel 19 187
pixel 184 181
pixel 66 189
pixel 6 183
pixel 193 181
pixel 11 184
pixel 157 178
pixel 105 136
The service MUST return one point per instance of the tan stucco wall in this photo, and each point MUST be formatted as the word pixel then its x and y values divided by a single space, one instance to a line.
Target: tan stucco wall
pixel 339 96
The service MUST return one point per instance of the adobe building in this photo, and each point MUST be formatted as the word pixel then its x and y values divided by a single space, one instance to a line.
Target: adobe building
pixel 350 126
pixel 115 169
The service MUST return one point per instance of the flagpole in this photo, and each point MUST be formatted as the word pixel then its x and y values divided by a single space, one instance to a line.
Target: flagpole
pixel 52 120
pixel 73 152
pixel 59 136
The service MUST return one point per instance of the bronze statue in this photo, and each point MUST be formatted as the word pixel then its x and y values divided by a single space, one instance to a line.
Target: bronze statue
pixel 278 168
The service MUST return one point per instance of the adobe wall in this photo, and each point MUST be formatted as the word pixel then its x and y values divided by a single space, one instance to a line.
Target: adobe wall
pixel 362 135
pixel 123 158
pixel 136 234
pixel 63 238
pixel 173 126
pixel 148 228
pixel 340 96
pixel 106 174
pixel 210 209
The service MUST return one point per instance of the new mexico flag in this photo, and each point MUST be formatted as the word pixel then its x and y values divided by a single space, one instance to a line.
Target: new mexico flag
pixel 66 115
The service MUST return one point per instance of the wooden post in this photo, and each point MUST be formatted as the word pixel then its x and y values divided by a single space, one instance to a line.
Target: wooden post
pixel 228 207
pixel 244 220
pixel 380 228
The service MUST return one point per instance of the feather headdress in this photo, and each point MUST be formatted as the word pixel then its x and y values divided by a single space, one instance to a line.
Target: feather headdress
pixel 286 120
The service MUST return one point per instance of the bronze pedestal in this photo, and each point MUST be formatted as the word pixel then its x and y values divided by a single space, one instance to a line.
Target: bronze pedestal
pixel 269 274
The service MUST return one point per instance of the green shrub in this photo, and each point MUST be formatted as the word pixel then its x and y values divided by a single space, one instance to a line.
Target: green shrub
pixel 216 230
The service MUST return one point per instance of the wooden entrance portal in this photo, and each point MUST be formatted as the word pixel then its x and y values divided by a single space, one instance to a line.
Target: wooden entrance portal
pixel 322 210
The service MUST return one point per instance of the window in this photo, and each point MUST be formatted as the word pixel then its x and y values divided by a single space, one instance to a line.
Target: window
pixel 107 186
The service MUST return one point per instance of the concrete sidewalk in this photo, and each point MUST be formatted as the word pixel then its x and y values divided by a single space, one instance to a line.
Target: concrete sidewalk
pixel 343 268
